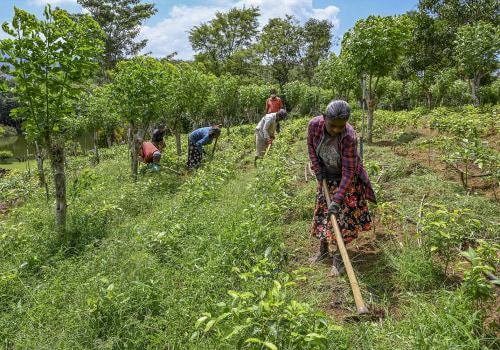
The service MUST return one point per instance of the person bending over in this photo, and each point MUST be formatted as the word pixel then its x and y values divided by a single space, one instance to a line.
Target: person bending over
pixel 264 132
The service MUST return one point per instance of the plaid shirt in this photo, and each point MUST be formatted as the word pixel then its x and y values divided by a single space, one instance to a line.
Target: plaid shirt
pixel 351 161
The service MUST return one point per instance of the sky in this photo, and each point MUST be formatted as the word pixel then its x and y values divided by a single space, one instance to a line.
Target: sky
pixel 167 30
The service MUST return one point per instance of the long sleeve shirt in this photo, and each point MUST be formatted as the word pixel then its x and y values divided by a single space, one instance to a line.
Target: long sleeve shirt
pixel 157 135
pixel 267 126
pixel 351 161
pixel 147 151
pixel 200 137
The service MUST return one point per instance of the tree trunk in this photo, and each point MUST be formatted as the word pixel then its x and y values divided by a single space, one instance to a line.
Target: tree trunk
pixel 75 148
pixel 372 104
pixel 178 143
pixel 57 161
pixel 228 124
pixel 475 98
pixel 39 163
pixel 110 141
pixel 428 96
pixel 96 148
pixel 134 155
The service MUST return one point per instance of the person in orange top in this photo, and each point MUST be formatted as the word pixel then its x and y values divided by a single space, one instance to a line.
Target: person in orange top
pixel 274 103
pixel 149 153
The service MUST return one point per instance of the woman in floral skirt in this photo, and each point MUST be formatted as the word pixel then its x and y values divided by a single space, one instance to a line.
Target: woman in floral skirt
pixel 332 146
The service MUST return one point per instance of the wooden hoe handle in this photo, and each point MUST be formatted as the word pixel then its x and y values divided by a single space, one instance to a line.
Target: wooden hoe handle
pixel 267 150
pixel 213 150
pixel 360 304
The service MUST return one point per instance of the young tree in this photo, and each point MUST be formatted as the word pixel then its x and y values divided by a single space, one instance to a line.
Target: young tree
pixel 317 36
pixel 121 21
pixel 391 91
pixel 442 84
pixel 48 58
pixel 477 52
pixel 374 47
pixel 189 94
pixel 224 38
pixel 224 98
pixel 333 73
pixel 252 101
pixel 139 91
pixel 99 111
pixel 279 45
pixel 8 102
pixel 428 51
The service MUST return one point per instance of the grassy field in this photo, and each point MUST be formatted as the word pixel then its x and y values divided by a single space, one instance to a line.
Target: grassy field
pixel 218 259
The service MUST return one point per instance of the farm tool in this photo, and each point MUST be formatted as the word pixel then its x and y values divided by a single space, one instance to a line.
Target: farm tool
pixel 360 304
pixel 267 150
pixel 213 149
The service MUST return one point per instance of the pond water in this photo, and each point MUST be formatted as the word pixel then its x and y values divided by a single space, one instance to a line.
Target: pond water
pixel 17 145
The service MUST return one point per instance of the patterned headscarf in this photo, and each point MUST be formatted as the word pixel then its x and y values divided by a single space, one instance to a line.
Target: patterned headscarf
pixel 338 109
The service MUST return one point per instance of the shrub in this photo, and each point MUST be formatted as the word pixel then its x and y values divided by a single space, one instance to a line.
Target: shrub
pixel 5 155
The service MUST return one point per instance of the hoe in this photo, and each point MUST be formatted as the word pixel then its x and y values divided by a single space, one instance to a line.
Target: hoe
pixel 267 150
pixel 362 310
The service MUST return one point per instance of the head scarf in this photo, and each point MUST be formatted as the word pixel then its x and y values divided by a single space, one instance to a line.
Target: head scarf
pixel 215 130
pixel 156 157
pixel 281 113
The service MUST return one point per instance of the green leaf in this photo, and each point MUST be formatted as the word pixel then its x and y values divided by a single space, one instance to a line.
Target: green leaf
pixel 460 325
pixel 200 321
pixel 266 343
pixel 236 330
pixel 209 325
pixel 268 251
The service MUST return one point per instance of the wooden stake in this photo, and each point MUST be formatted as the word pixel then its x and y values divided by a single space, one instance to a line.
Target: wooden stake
pixel 419 240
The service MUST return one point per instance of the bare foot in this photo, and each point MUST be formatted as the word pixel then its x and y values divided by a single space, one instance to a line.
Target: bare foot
pixel 337 266
pixel 319 256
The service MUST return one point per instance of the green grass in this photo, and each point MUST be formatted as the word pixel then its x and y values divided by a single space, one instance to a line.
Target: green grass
pixel 148 258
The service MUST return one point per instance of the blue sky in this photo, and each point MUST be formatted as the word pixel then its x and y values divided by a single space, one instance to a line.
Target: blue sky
pixel 167 29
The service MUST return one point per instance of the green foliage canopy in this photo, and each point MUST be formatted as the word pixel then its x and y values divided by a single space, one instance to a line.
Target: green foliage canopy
pixel 48 58
pixel 477 50
pixel 121 22
pixel 224 36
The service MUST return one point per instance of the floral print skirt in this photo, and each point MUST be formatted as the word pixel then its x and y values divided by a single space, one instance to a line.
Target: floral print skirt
pixel 194 156
pixel 354 215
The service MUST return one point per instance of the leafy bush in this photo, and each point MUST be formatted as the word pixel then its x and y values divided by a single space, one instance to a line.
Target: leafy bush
pixel 6 155
pixel 444 231
pixel 483 261
pixel 265 315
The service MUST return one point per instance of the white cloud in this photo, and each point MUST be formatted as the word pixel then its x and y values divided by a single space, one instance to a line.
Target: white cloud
pixel 171 34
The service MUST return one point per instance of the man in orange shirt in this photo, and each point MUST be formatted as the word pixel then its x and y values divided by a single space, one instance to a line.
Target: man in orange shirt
pixel 274 103
pixel 149 153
